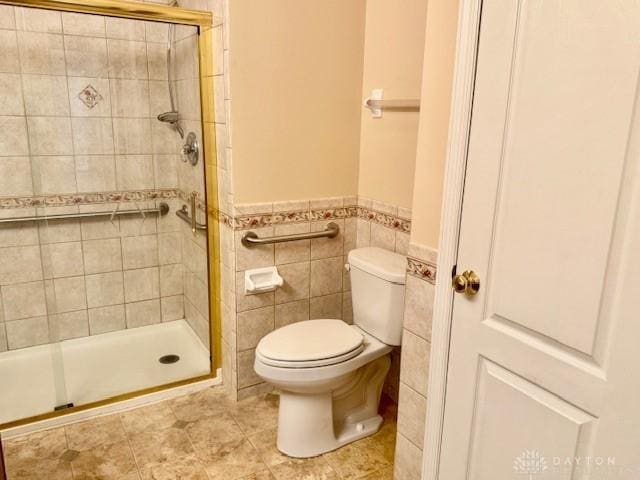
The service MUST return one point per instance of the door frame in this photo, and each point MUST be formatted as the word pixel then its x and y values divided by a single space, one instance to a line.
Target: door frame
pixel 467 40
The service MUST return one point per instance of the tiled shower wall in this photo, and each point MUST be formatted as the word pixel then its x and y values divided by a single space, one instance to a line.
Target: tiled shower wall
pixel 78 133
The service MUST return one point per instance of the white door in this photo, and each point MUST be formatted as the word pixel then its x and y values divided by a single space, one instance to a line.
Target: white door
pixel 544 366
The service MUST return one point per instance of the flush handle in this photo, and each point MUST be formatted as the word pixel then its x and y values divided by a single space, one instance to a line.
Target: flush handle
pixel 468 283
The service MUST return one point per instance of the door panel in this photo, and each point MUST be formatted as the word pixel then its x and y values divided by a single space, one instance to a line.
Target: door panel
pixel 499 433
pixel 537 358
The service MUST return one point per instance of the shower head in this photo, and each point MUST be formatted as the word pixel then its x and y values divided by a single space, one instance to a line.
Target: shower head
pixel 173 118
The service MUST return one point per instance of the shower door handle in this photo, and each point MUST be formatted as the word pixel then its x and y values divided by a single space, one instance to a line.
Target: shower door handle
pixel 194 223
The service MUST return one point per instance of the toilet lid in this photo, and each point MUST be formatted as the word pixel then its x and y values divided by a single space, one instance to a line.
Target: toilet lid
pixel 311 341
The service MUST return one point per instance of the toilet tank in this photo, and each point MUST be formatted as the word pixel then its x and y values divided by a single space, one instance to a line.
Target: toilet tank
pixel 377 292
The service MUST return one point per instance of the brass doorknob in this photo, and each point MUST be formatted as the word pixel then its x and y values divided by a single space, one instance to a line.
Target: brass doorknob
pixel 468 282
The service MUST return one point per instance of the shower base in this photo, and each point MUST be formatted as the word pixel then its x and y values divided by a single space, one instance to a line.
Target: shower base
pixel 35 380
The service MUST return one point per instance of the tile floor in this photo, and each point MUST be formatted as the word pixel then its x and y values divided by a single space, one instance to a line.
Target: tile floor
pixel 202 436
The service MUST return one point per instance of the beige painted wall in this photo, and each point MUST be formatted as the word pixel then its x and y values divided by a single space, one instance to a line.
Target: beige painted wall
pixel 394 47
pixel 296 81
pixel 439 54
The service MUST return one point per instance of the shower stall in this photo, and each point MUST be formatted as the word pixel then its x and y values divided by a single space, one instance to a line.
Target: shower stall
pixel 106 223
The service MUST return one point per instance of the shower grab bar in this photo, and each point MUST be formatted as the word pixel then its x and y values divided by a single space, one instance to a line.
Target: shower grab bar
pixel 183 213
pixel 251 239
pixel 162 209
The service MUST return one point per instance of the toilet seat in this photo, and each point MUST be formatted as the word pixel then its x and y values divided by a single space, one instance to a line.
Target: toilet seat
pixel 312 343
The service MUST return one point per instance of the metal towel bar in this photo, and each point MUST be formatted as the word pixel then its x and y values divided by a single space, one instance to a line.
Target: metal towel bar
pixel 162 209
pixel 251 239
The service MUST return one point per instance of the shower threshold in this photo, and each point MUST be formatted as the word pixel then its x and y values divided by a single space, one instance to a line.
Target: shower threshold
pixel 97 367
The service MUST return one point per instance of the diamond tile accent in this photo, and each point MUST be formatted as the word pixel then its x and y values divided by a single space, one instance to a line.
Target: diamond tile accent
pixel 90 96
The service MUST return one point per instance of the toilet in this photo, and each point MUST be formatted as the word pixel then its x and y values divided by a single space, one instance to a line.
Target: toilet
pixel 329 373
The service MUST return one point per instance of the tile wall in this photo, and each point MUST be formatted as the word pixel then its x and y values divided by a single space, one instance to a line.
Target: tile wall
pixel 78 133
pixel 414 368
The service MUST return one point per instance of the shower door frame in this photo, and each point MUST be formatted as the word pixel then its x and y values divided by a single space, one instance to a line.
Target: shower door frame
pixel 204 22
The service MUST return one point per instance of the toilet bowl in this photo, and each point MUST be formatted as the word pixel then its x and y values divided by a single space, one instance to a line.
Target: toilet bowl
pixel 330 374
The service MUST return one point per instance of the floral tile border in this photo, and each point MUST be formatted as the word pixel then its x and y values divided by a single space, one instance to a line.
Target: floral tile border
pixel 71 199
pixel 245 222
pixel 421 269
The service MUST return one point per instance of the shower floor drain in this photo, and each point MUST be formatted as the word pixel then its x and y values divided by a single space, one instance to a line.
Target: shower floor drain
pixel 167 359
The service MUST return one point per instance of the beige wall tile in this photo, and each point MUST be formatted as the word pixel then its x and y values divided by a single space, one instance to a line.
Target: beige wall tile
pixel 83 24
pixel 15 175
pixel 23 300
pixel 328 306
pixel 383 237
pixel 171 280
pixel 54 231
pixel 140 252
pixel 102 256
pixel 143 313
pixel 27 332
pixel 78 108
pixel 38 20
pixel 327 247
pixel 402 243
pixel 129 98
pixel 86 56
pixel 253 325
pixel 127 59
pixel 170 248
pixel 95 173
pixel 11 101
pixel 7 17
pixel 363 233
pixel 106 319
pixel 92 136
pixel 292 312
pixel 65 326
pixel 159 101
pixel 20 264
pixel 254 257
pixel 326 276
pixel 347 308
pixel 350 234
pixel 9 52
pixel 132 135
pixel 124 28
pixel 105 289
pixel 296 282
pixel 134 172
pixel 412 410
pixel 172 308
pixel 329 202
pixel 408 460
pixel 50 136
pixel 414 369
pixel 69 294
pixel 418 309
pixel 18 234
pixel 156 32
pixel 13 136
pixel 54 174
pixel 157 60
pixel 62 259
pixel 246 374
pixel 163 138
pixel 41 53
pixel 3 332
pixel 45 95
pixel 141 284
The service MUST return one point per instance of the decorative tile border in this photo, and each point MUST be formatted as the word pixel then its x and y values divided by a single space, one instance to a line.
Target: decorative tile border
pixel 261 220
pixel 72 199
pixel 421 269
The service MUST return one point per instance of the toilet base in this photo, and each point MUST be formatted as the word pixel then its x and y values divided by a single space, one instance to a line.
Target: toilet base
pixel 312 424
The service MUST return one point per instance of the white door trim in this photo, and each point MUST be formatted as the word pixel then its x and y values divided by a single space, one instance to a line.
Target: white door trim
pixel 459 128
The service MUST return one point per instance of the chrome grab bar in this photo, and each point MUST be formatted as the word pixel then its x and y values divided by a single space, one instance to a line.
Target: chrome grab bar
pixel 398 104
pixel 183 213
pixel 251 239
pixel 162 209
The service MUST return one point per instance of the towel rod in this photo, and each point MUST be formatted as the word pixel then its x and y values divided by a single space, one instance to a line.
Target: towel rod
pixel 399 104
pixel 251 239
pixel 162 209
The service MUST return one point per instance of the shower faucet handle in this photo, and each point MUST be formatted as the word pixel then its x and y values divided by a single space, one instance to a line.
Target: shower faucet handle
pixel 190 149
